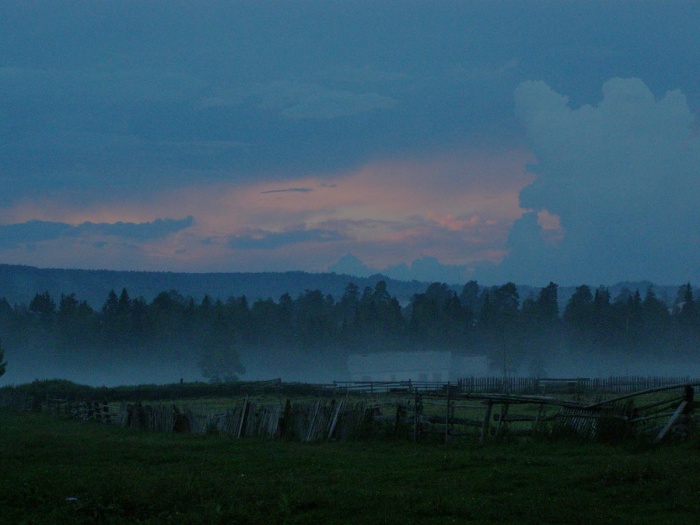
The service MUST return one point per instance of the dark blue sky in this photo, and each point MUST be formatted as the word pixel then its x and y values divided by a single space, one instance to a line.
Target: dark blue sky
pixel 262 135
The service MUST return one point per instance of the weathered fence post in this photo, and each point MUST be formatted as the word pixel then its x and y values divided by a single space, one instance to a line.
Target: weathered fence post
pixel 417 411
pixel 502 418
pixel 671 422
pixel 447 414
pixel 313 421
pixel 486 422
pixel 536 422
pixel 242 421
pixel 399 414
pixel 335 419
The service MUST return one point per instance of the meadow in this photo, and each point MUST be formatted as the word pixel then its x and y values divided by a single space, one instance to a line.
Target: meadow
pixel 60 471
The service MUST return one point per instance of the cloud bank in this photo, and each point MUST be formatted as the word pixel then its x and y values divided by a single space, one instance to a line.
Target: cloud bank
pixel 622 176
pixel 267 240
pixel 35 231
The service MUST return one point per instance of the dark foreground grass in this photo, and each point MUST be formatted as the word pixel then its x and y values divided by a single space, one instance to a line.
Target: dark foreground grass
pixel 60 472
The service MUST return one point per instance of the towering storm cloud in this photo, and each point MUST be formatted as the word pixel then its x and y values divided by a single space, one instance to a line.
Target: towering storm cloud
pixel 622 178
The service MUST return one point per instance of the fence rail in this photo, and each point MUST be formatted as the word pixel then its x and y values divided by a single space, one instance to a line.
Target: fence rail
pixel 514 385
pixel 473 406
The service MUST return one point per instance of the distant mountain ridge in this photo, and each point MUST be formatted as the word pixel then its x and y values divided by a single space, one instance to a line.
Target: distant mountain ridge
pixel 19 284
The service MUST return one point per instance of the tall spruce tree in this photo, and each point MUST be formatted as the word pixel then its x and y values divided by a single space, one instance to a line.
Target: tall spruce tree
pixel 3 364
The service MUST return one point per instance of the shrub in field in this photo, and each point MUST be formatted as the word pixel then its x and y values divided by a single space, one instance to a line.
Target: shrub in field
pixel 58 389
pixel 613 429
pixel 613 425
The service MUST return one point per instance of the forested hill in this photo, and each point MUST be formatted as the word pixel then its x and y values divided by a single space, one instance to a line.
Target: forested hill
pixel 158 327
pixel 19 284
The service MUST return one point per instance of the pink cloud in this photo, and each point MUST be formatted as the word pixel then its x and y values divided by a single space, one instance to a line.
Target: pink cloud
pixel 457 206
pixel 552 230
pixel 450 222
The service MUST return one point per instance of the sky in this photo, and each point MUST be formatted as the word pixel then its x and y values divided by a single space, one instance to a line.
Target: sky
pixel 525 141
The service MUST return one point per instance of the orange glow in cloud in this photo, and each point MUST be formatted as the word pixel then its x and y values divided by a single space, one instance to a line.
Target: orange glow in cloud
pixel 552 229
pixel 451 223
pixel 548 221
pixel 457 206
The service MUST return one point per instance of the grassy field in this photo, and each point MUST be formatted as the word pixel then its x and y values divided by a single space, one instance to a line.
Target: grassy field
pixel 58 471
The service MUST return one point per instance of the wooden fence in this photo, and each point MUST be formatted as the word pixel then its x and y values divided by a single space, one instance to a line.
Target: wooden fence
pixel 83 410
pixel 445 411
pixel 420 416
pixel 658 412
pixel 322 419
pixel 515 385
pixel 577 385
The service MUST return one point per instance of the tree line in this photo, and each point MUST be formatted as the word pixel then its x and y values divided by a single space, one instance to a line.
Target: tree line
pixel 521 334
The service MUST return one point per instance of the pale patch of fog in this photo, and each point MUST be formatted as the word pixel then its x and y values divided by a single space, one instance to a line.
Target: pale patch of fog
pixel 316 368
pixel 291 365
pixel 323 366
pixel 576 365
pixel 294 365
pixel 116 373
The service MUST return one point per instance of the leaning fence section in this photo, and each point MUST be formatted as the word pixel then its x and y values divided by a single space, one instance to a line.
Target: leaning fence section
pixel 322 419
pixel 659 413
pixel 419 411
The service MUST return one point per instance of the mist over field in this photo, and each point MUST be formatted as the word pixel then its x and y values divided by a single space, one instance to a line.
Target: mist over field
pixel 630 329
pixel 297 366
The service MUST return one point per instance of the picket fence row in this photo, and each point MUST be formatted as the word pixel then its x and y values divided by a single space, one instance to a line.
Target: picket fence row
pixel 447 413
pixel 417 416
pixel 515 385
pixel 335 419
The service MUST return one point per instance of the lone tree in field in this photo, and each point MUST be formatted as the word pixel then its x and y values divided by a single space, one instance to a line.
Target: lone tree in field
pixel 220 364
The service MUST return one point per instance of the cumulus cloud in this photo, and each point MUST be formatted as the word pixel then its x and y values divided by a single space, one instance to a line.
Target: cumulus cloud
pixel 315 102
pixel 294 100
pixel 258 239
pixel 32 232
pixel 289 190
pixel 363 75
pixel 349 264
pixel 156 229
pixel 622 176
